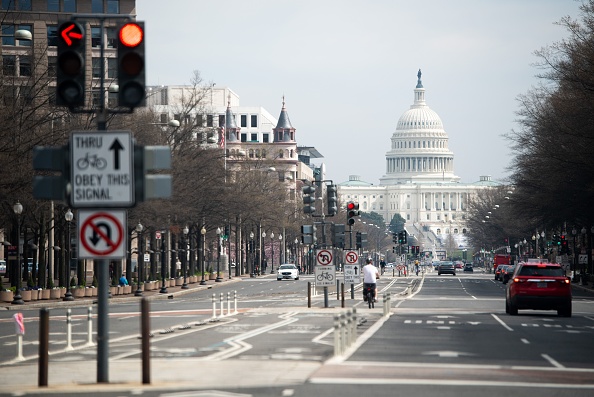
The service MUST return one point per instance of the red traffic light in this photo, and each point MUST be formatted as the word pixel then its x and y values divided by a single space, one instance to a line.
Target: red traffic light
pixel 71 34
pixel 131 34
pixel 350 205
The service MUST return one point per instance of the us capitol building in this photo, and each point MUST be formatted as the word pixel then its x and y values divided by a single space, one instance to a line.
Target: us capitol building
pixel 419 183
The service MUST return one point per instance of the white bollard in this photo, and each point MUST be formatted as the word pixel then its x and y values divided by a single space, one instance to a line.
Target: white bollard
pixel 69 329
pixel 90 326
pixel 348 328
pixel 222 307
pixel 19 323
pixel 342 333
pixel 235 299
pixel 336 335
pixel 19 356
pixel 354 325
pixel 214 306
pixel 228 304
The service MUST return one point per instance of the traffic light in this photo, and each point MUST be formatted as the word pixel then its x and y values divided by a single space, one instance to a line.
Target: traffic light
pixel 309 199
pixel 338 236
pixel 332 200
pixel 395 237
pixel 358 240
pixel 70 68
pixel 564 246
pixel 404 237
pixel 352 212
pixel 308 234
pixel 51 187
pixel 131 65
pixel 151 186
pixel 227 231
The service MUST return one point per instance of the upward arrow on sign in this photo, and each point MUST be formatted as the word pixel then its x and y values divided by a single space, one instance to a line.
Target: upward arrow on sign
pixel 116 147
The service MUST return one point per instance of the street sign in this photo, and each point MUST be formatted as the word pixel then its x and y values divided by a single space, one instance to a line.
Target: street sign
pixel 583 259
pixel 325 275
pixel 352 274
pixel 158 235
pixel 101 234
pixel 147 257
pixel 323 257
pixel 351 257
pixel 101 169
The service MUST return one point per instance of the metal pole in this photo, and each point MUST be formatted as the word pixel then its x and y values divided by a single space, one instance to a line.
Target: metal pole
pixel 102 321
pixel 42 377
pixel 163 289
pixel 146 348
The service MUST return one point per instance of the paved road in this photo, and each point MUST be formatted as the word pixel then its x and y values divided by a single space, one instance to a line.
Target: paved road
pixel 451 336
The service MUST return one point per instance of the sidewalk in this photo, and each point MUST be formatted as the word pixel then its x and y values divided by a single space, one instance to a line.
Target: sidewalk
pixel 150 295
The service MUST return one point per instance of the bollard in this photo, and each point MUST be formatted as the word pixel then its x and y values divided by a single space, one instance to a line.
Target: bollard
pixel 69 329
pixel 337 289
pixel 309 294
pixel 342 295
pixel 235 299
pixel 222 307
pixel 89 326
pixel 145 330
pixel 19 323
pixel 42 373
pixel 342 333
pixel 336 335
pixel 214 306
pixel 347 327
pixel 228 304
pixel 354 325
pixel 384 303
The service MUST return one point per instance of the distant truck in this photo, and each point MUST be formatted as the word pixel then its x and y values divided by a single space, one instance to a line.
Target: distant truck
pixel 501 259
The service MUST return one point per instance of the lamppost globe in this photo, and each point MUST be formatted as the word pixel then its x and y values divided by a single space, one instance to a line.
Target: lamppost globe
pixel 252 235
pixel 139 227
pixel 68 215
pixel 18 208
pixel 271 235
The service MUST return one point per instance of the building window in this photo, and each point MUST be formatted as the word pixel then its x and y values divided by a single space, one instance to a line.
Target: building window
pixel 266 138
pixel 112 68
pixel 199 120
pixel 51 66
pixel 243 137
pixel 243 120
pixel 24 66
pixel 111 37
pixel 69 6
pixel 222 121
pixel 96 67
pixel 7 34
pixel 8 65
pixel 438 232
pixel 97 6
pixel 52 35
pixel 254 137
pixel 96 98
pixel 21 5
pixel 263 153
pixel 254 121
pixel 53 5
pixel 96 37
pixel 113 6
pixel 209 120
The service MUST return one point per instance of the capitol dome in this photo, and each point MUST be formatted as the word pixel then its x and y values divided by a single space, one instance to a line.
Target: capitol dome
pixel 419 151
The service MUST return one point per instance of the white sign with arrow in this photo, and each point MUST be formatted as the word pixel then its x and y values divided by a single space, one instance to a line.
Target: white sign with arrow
pixel 352 274
pixel 102 169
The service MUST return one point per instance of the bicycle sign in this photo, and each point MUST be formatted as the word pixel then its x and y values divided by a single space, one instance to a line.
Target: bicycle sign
pixel 102 169
pixel 325 276
pixel 323 257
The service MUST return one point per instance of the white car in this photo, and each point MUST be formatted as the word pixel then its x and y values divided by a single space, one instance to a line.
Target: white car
pixel 287 271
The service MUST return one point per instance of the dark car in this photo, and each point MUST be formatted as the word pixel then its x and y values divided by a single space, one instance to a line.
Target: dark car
pixel 506 273
pixel 498 271
pixel 539 286
pixel 468 267
pixel 446 268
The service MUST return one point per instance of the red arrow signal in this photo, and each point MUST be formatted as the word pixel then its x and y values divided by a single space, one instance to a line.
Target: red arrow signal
pixel 69 32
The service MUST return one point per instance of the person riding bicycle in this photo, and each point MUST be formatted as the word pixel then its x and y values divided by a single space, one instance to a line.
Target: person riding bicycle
pixel 370 275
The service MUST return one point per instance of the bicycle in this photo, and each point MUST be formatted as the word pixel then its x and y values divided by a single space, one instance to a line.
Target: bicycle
pixel 369 295
pixel 325 275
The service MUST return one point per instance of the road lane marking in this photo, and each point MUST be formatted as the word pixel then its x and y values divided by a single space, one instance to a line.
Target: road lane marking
pixel 507 327
pixel 553 362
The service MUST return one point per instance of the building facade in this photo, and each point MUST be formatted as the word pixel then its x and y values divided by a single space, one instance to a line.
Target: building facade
pixel 419 182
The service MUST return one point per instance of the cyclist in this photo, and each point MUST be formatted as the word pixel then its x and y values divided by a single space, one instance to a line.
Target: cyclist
pixel 370 275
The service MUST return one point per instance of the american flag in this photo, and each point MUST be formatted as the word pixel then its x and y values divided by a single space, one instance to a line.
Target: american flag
pixel 222 137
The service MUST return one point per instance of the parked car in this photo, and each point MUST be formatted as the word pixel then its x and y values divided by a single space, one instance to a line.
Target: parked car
pixel 287 271
pixel 446 268
pixel 468 267
pixel 539 286
pixel 2 266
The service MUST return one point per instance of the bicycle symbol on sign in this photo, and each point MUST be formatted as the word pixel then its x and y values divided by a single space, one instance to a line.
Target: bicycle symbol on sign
pixel 93 161
pixel 325 275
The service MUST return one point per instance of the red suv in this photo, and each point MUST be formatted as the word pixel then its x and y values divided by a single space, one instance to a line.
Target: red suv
pixel 538 286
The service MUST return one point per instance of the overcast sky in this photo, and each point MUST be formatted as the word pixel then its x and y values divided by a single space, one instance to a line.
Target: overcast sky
pixel 348 68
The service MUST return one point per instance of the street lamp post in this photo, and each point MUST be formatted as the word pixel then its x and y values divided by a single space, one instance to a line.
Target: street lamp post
pixel 534 238
pixel 185 257
pixel 271 250
pixel 68 216
pixel 574 264
pixel 218 279
pixel 163 289
pixel 18 299
pixel 251 249
pixel 203 233
pixel 281 251
pixel 584 249
pixel 139 229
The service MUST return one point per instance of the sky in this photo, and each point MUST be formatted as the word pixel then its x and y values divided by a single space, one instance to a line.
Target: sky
pixel 348 68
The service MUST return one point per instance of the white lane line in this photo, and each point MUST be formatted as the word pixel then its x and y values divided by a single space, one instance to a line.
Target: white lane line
pixel 525 341
pixel 553 362
pixel 507 327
